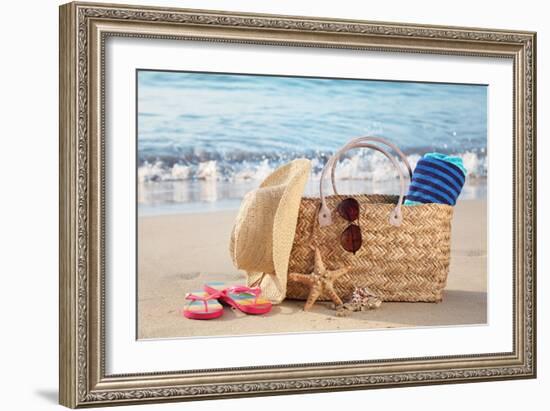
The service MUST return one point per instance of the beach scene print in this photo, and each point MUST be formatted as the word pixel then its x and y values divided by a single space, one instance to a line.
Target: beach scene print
pixel 204 140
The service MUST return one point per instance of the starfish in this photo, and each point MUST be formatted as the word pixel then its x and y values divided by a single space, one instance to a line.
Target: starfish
pixel 320 281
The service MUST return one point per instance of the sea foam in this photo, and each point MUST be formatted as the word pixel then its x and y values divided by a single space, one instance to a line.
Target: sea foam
pixel 357 166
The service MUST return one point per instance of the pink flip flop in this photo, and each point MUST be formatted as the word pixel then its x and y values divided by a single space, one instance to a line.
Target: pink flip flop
pixel 203 305
pixel 243 298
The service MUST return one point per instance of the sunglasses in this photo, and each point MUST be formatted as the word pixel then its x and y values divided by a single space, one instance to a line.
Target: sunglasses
pixel 351 239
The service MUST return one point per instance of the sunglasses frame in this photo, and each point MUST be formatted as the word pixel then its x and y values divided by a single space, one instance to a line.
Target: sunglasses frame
pixel 349 235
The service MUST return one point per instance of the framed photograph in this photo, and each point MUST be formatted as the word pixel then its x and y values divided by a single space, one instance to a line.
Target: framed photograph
pixel 262 205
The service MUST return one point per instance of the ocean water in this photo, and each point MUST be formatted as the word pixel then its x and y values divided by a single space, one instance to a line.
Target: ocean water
pixel 206 139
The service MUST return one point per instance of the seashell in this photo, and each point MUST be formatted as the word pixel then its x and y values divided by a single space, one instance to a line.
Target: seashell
pixel 361 299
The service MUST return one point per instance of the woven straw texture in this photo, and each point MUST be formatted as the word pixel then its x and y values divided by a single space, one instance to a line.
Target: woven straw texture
pixel 264 230
pixel 405 263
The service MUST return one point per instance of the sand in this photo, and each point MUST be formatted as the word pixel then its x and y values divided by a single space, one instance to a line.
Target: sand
pixel 178 253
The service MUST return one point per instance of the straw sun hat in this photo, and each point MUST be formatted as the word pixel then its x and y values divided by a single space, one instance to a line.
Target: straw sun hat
pixel 263 234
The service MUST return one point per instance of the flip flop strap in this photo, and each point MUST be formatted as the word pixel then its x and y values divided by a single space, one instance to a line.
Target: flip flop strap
pixel 203 298
pixel 239 289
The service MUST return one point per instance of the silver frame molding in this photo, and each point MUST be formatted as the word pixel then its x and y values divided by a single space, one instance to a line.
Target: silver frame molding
pixel 84 28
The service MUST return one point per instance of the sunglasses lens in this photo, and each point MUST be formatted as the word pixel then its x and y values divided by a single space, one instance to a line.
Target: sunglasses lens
pixel 351 239
pixel 349 209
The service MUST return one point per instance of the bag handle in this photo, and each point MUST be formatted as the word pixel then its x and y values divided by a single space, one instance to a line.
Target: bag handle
pixel 395 218
pixel 353 143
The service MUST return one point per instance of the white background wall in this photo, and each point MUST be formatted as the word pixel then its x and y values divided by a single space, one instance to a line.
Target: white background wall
pixel 28 204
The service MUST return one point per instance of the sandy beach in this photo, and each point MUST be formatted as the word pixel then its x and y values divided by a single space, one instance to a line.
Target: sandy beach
pixel 180 252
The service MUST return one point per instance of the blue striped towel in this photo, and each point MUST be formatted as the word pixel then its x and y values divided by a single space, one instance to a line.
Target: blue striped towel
pixel 437 178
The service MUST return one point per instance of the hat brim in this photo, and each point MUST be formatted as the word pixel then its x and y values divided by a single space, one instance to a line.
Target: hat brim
pixel 284 224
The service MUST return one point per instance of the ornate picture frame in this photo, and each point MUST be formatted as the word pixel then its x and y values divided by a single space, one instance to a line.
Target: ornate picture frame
pixel 84 29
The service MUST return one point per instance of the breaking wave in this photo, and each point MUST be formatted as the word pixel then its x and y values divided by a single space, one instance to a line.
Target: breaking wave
pixel 358 166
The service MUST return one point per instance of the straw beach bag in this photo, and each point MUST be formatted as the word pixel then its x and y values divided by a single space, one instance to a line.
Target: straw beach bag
pixel 405 250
